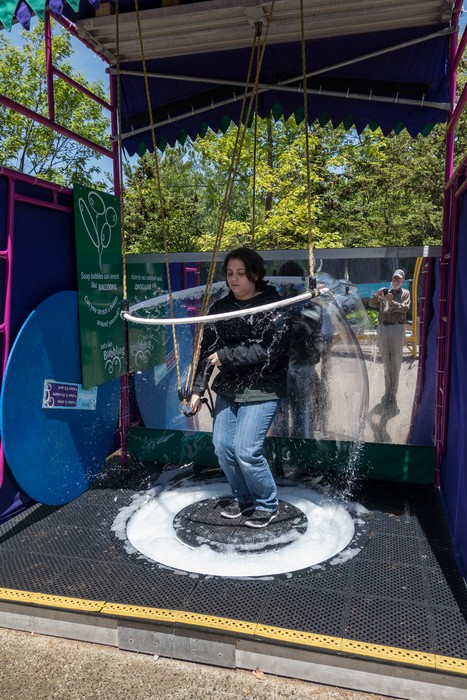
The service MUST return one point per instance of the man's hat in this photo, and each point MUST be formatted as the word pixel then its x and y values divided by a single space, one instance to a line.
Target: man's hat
pixel 399 273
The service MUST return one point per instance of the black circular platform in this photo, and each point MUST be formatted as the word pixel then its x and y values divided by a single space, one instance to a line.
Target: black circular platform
pixel 202 524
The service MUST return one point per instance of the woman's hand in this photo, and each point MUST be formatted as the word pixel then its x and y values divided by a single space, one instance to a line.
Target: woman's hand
pixel 214 359
pixel 195 403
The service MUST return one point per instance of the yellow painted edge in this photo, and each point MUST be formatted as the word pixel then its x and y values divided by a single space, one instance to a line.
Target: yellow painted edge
pixel 449 663
pixel 214 622
pixel 349 646
pixel 56 601
pixel 299 637
pixel 139 611
pixel 379 651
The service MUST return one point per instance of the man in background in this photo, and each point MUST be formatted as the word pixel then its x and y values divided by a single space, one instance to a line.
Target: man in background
pixel 393 305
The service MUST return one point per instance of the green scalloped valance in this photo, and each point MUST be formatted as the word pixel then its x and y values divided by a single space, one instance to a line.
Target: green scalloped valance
pixel 22 10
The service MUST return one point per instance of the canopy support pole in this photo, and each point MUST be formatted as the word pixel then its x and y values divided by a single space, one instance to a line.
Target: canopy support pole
pixel 448 264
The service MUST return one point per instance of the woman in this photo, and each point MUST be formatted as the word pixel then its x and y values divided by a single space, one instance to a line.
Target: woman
pixel 251 354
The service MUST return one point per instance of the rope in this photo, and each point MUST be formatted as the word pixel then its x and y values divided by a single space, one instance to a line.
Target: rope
pixel 255 138
pixel 307 143
pixel 159 192
pixel 239 140
pixel 120 158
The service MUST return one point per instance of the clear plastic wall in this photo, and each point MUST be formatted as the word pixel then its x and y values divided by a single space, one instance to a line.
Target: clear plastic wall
pixel 327 376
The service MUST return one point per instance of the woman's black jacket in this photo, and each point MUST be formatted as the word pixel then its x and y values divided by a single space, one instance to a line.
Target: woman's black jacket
pixel 253 350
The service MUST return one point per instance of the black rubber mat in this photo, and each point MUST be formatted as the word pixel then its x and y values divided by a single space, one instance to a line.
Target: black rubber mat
pixel 401 590
pixel 202 524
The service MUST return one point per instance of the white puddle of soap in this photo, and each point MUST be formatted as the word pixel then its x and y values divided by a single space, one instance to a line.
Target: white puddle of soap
pixel 147 527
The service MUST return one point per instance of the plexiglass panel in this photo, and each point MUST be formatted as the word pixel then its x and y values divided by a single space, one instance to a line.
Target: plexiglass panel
pixel 336 381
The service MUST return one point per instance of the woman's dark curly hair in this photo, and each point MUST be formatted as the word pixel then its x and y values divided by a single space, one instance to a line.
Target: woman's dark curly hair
pixel 254 265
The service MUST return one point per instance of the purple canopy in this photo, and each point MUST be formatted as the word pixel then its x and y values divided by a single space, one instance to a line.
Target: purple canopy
pixel 381 64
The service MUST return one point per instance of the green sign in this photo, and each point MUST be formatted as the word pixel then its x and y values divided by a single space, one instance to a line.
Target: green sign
pixel 147 343
pixel 100 285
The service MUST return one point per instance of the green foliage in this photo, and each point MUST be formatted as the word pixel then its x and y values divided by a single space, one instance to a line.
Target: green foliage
pixel 366 190
pixel 181 215
pixel 373 317
pixel 31 148
pixel 388 191
pixel 198 175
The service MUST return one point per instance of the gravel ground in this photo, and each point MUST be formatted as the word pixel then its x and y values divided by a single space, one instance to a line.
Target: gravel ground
pixel 37 667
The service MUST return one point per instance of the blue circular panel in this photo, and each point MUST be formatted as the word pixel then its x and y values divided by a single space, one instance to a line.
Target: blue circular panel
pixel 54 453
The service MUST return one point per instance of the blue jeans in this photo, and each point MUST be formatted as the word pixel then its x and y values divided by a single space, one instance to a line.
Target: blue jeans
pixel 238 436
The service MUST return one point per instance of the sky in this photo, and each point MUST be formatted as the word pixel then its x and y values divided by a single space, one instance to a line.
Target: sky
pixel 87 63
pixel 91 65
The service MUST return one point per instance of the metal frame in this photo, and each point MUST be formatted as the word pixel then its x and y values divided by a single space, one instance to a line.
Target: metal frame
pixel 222 24
pixel 433 251
pixel 13 177
pixel 448 253
pixel 49 121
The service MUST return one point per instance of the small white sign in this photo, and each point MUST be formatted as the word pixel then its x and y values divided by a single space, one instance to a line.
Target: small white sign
pixel 67 395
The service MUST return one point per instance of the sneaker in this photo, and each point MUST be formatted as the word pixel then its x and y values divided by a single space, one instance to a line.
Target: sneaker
pixel 235 510
pixel 261 518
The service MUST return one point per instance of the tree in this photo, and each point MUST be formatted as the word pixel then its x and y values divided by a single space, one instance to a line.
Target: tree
pixel 278 171
pixel 182 195
pixel 31 148
pixel 388 190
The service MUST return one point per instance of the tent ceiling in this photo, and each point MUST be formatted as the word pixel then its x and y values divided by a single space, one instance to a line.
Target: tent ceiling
pixel 217 25
pixel 377 62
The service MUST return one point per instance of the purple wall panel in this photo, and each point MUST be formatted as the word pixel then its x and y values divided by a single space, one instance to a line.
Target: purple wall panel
pixel 43 263
pixel 454 466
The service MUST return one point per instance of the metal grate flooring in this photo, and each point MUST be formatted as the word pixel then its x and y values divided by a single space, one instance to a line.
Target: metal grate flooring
pixel 402 590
